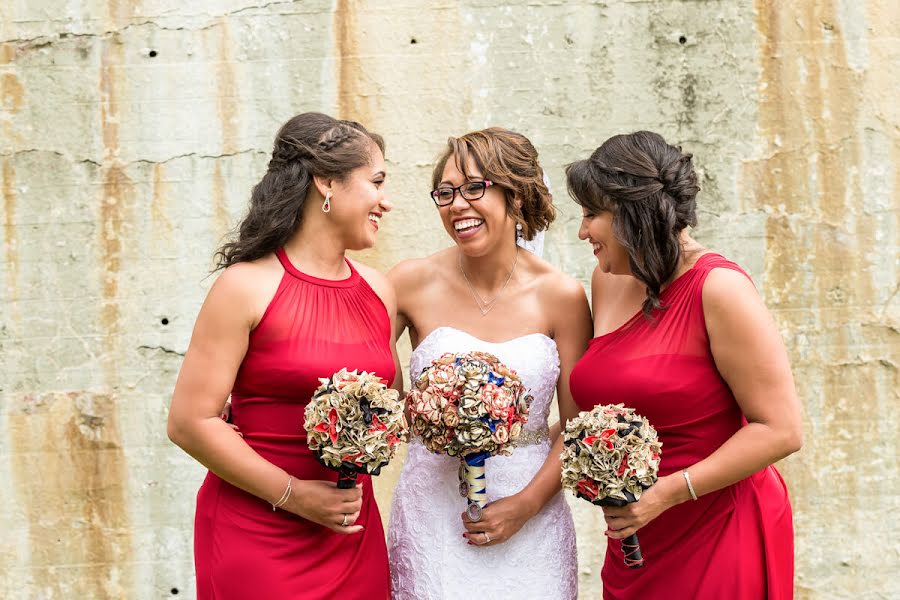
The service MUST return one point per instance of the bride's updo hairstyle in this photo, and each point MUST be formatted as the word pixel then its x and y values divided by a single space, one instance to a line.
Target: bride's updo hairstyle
pixel 510 161
pixel 650 188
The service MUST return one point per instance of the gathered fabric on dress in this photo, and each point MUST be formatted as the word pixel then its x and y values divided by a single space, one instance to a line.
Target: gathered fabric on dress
pixel 242 549
pixel 736 542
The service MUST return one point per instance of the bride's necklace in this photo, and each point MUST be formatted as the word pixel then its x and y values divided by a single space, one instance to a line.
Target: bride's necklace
pixel 486 306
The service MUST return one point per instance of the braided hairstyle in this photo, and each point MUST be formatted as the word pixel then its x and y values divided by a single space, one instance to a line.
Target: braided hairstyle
pixel 309 144
pixel 650 188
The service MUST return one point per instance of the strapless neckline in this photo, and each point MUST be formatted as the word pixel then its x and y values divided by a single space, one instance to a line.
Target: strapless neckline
pixel 482 340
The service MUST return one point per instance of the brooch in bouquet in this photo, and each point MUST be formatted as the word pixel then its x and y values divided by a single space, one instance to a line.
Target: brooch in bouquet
pixel 611 456
pixel 472 406
pixel 354 423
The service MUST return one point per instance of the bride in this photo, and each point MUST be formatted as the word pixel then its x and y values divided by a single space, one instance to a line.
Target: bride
pixel 487 293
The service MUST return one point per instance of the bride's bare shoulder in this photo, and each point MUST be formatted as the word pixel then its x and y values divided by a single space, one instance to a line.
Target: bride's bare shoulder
pixel 553 284
pixel 417 271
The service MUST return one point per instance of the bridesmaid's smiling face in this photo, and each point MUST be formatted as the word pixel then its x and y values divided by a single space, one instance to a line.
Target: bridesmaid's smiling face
pixel 359 202
pixel 597 230
pixel 477 226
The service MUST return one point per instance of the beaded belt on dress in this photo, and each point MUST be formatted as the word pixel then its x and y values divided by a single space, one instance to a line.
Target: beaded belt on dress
pixel 528 437
pixel 532 437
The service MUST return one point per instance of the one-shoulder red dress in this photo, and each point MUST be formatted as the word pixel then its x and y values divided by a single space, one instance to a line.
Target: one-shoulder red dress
pixel 735 543
pixel 242 549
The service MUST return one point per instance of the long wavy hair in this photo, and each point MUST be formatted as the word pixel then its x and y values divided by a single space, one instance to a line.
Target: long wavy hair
pixel 308 144
pixel 650 188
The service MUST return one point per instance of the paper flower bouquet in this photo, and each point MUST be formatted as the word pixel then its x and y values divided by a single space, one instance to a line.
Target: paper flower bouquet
pixel 473 406
pixel 611 456
pixel 354 423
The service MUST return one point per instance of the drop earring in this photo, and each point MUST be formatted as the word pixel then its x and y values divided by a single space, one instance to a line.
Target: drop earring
pixel 518 231
pixel 326 206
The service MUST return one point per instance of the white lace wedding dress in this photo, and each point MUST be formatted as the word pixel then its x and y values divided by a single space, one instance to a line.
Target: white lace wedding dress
pixel 430 559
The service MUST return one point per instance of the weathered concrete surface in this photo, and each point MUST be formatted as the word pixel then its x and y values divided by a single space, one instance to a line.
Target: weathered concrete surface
pixel 131 133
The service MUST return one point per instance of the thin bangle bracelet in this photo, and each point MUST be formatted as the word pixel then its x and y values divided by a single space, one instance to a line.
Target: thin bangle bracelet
pixel 687 479
pixel 284 496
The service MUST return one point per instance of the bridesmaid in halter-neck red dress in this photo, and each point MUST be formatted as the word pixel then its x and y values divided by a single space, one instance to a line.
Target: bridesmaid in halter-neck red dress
pixel 312 328
pixel 270 521
pixel 734 543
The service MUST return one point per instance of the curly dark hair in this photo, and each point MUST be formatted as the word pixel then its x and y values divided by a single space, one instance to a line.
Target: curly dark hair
pixel 510 161
pixel 650 188
pixel 308 144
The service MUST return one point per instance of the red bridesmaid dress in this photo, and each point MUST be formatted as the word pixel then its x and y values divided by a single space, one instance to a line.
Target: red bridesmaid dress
pixel 737 542
pixel 242 549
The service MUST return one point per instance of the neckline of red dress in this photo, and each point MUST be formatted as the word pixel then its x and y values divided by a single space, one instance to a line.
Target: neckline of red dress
pixel 294 271
pixel 665 292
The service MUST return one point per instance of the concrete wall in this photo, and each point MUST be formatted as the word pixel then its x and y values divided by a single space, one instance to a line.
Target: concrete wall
pixel 131 133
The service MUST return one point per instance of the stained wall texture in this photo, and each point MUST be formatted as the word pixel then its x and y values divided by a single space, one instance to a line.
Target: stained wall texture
pixel 132 132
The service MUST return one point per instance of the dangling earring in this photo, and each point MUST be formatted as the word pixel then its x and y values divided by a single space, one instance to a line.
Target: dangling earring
pixel 518 231
pixel 326 206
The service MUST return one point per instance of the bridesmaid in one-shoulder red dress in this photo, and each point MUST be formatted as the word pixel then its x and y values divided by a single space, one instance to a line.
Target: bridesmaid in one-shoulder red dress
pixel 693 350
pixel 270 522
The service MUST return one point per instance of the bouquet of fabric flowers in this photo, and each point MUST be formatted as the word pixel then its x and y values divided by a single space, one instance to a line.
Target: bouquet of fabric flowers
pixel 354 423
pixel 611 456
pixel 472 406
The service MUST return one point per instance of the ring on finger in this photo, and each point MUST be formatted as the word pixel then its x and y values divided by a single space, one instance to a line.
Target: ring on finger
pixel 345 523
pixel 487 538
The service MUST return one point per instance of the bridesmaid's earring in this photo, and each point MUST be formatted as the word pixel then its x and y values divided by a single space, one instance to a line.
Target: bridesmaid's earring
pixel 326 206
pixel 518 231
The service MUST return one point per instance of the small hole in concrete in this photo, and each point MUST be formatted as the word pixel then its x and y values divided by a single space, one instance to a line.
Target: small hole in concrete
pixel 164 321
pixel 174 591
pixel 682 40
pixel 413 41
pixel 152 53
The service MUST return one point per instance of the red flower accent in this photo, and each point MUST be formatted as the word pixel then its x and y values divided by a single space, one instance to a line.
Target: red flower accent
pixel 330 427
pixel 351 458
pixel 623 466
pixel 605 435
pixel 377 425
pixel 589 441
pixel 588 488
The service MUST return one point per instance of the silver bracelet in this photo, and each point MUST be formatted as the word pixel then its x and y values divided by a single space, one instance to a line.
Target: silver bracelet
pixel 285 495
pixel 687 479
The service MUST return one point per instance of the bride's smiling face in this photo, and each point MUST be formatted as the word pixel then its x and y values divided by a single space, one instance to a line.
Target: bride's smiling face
pixel 480 224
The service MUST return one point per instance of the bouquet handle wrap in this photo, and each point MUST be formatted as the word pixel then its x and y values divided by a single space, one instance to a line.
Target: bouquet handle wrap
pixel 476 488
pixel 632 551
pixel 346 479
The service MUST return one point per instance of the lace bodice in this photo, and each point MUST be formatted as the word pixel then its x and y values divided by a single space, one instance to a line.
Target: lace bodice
pixel 429 558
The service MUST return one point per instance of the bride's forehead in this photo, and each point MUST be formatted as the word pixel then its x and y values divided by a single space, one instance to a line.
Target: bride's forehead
pixel 453 173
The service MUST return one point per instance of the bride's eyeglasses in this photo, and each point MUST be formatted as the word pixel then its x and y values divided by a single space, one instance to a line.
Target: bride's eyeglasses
pixel 471 190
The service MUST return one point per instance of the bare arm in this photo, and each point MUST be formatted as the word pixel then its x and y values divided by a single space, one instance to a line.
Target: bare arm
pixel 217 348
pixel 750 356
pixel 400 278
pixel 385 290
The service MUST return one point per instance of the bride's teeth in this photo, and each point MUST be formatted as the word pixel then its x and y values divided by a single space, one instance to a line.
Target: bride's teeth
pixel 467 223
pixel 374 218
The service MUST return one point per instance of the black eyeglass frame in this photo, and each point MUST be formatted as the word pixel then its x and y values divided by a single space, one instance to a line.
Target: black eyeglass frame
pixel 436 193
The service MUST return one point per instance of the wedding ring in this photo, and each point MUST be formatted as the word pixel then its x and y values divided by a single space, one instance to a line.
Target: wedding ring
pixel 345 523
pixel 487 538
